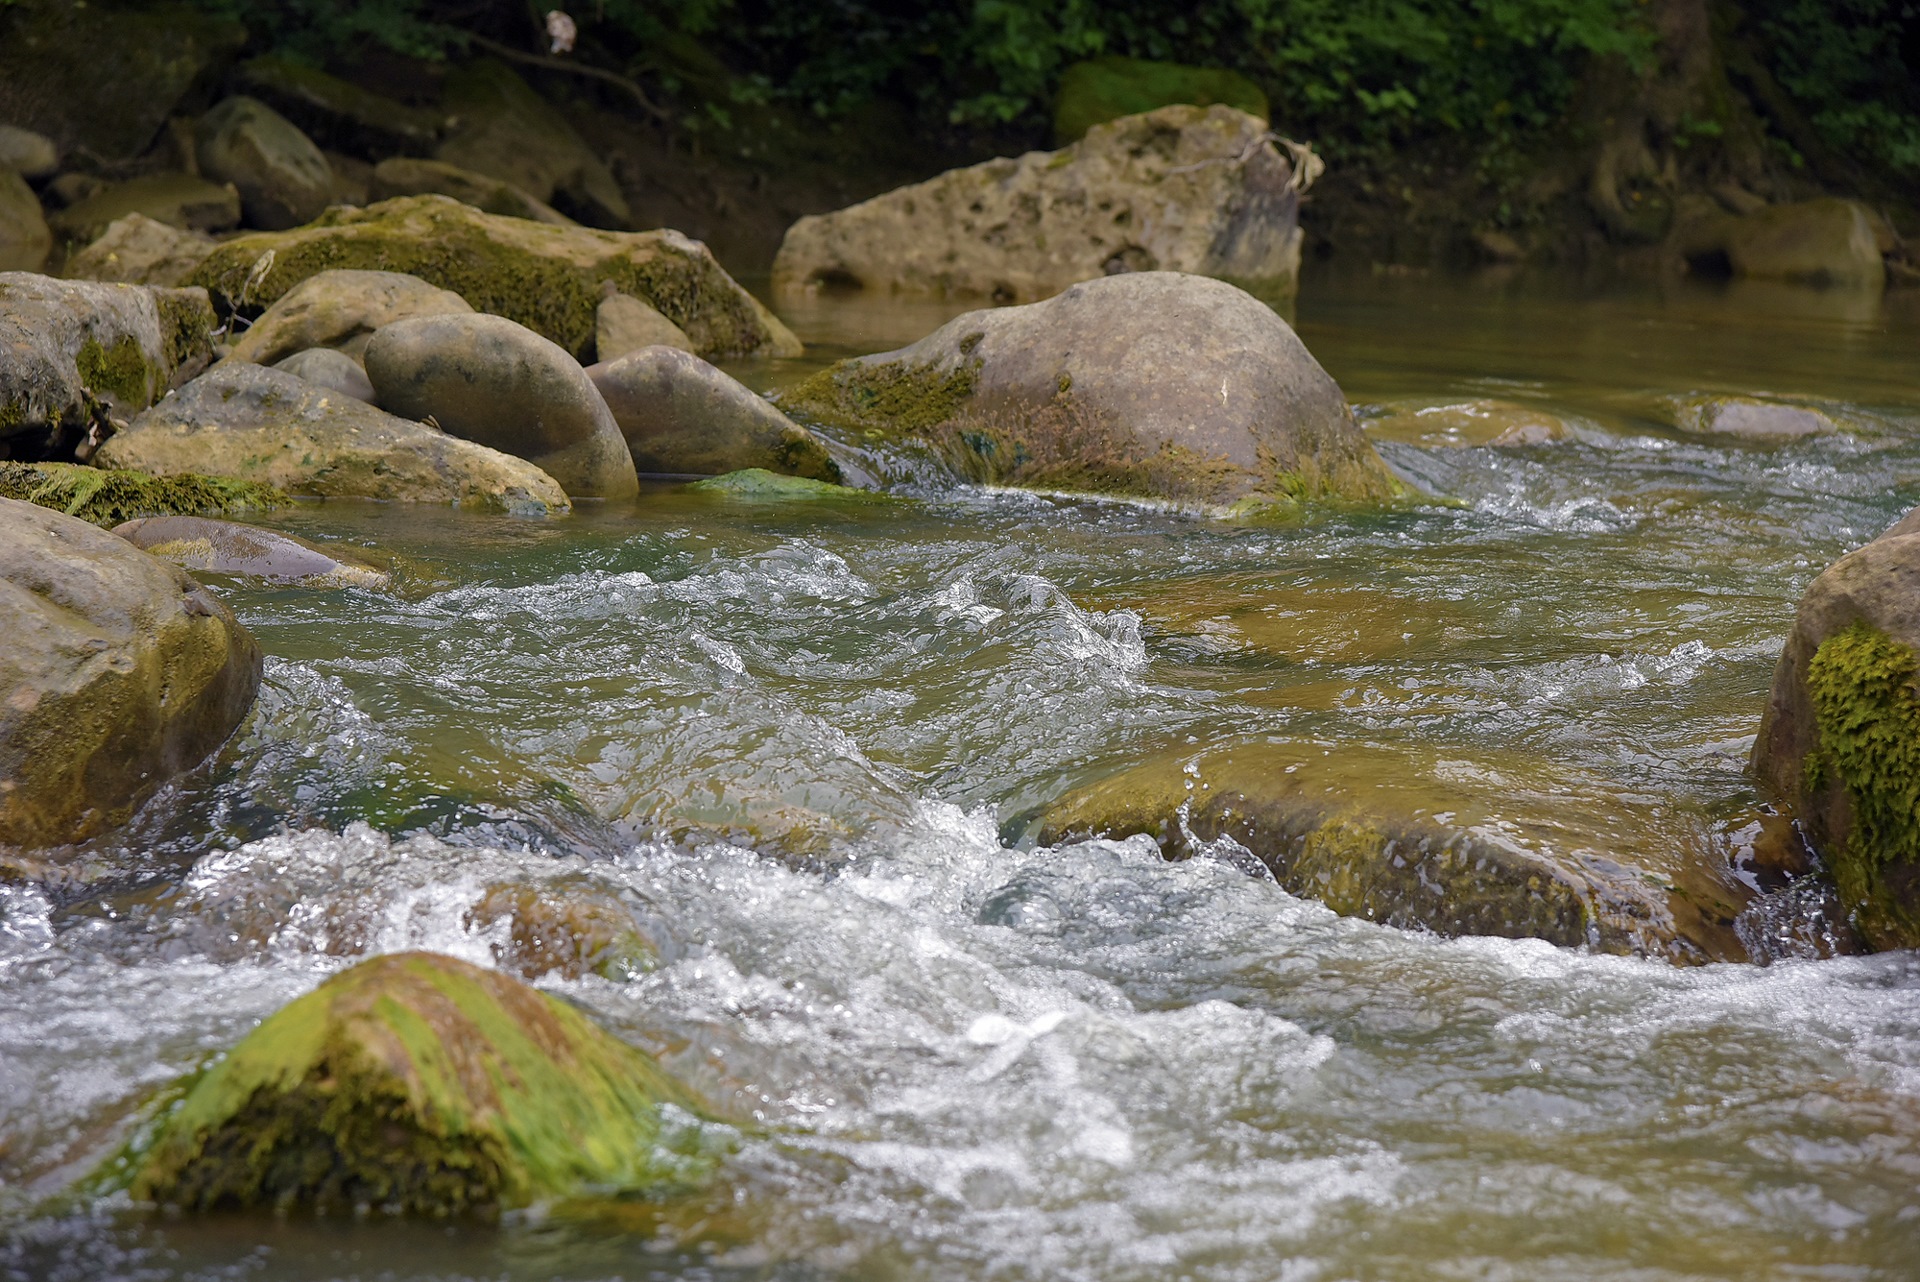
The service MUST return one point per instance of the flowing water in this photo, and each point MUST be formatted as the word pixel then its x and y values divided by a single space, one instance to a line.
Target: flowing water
pixel 801 750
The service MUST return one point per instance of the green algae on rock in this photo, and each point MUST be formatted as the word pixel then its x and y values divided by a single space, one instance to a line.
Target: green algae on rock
pixel 109 496
pixel 1840 738
pixel 420 1084
pixel 550 279
pixel 1150 384
pixel 120 673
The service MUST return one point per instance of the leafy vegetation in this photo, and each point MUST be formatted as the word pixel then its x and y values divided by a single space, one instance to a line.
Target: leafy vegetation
pixel 1850 64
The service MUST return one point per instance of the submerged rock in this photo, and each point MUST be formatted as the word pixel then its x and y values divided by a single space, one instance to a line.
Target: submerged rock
pixel 341 309
pixel 557 929
pixel 25 240
pixel 550 279
pixel 1370 834
pixel 265 425
pixel 106 496
pixel 622 324
pixel 682 416
pixel 282 178
pixel 487 379
pixel 1102 89
pixel 1155 384
pixel 420 1084
pixel 120 673
pixel 137 250
pixel 1500 424
pixel 179 200
pixel 1745 418
pixel 507 131
pixel 1840 738
pixel 1183 189
pixel 405 176
pixel 222 547
pixel 75 356
pixel 324 367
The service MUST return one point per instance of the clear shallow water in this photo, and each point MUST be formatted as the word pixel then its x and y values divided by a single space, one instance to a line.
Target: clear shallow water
pixel 801 750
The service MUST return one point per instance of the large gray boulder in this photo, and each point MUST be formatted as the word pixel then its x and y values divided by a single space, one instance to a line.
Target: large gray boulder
pixel 503 129
pixel 682 416
pixel 258 424
pixel 1153 383
pixel 75 356
pixel 203 544
pixel 489 380
pixel 341 309
pixel 1186 189
pixel 282 178
pixel 120 672
pixel 137 250
pixel 25 239
pixel 1840 738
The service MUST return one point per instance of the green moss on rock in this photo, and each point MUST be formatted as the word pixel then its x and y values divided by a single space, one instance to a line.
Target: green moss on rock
pixel 894 397
pixel 1862 685
pixel 120 371
pixel 760 485
pixel 109 496
pixel 420 1084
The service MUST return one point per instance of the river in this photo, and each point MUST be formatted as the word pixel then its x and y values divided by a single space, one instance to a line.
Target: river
pixel 804 747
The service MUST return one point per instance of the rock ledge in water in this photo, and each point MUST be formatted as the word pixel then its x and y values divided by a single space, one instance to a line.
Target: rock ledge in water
pixel 420 1084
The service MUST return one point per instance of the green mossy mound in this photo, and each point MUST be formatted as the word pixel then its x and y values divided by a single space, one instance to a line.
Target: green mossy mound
pixel 1092 93
pixel 107 496
pixel 550 279
pixel 420 1084
pixel 1862 684
pixel 758 485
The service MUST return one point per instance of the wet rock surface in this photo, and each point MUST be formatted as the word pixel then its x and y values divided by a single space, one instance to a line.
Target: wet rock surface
pixel 1185 189
pixel 419 1083
pixel 1465 424
pixel 550 279
pixel 680 415
pixel 341 309
pixel 487 379
pixel 223 547
pixel 1748 418
pixel 1840 737
pixel 121 672
pixel 1154 384
pixel 264 425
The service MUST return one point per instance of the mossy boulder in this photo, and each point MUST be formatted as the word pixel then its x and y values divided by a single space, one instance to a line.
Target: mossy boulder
pixel 419 1084
pixel 337 113
pixel 1378 834
pixel 1840 738
pixel 503 129
pixel 550 279
pixel 76 357
pixel 681 416
pixel 181 201
pixel 341 309
pixel 105 77
pixel 1154 384
pixel 25 240
pixel 137 250
pixel 252 423
pixel 1102 89
pixel 1185 189
pixel 282 178
pixel 222 547
pixel 107 496
pixel 120 672
pixel 408 176
pixel 487 379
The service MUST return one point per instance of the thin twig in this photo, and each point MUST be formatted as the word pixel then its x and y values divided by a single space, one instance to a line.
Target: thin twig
pixel 577 68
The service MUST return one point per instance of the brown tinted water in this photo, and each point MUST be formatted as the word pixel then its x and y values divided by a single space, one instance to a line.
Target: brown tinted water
pixel 803 748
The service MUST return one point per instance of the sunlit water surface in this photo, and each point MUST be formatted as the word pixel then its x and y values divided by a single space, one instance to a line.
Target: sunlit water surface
pixel 803 748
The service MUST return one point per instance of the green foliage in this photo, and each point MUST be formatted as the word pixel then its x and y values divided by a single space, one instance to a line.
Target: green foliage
pixel 1849 63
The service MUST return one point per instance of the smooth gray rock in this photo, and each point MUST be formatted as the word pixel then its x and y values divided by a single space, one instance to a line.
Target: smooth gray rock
pixel 325 367
pixel 681 416
pixel 265 425
pixel 225 547
pixel 342 309
pixel 76 355
pixel 490 380
pixel 27 153
pixel 120 672
pixel 1745 418
pixel 283 179
pixel 623 323
pixel 1156 384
